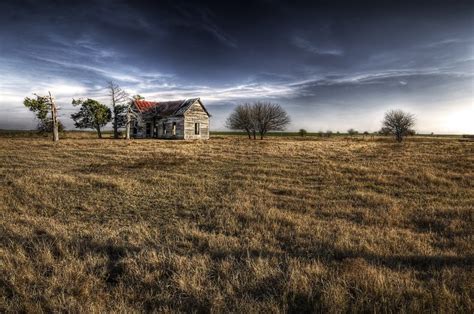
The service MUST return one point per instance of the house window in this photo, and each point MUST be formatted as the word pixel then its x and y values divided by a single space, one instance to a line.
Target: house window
pixel 164 128
pixel 196 128
pixel 174 128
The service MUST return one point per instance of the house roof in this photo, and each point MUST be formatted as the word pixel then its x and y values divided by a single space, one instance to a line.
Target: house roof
pixel 166 108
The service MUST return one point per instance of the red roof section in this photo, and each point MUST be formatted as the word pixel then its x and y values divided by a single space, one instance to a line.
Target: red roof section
pixel 165 108
pixel 144 105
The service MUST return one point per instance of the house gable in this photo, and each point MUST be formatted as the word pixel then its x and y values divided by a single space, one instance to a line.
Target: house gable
pixel 193 106
pixel 196 122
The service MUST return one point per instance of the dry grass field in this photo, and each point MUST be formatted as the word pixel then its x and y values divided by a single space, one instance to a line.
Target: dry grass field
pixel 279 225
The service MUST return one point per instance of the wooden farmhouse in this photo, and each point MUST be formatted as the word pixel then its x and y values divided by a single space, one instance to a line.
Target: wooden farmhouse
pixel 181 119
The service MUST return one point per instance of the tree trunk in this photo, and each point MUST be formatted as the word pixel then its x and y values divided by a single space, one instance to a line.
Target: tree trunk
pixel 399 137
pixel 128 125
pixel 115 123
pixel 254 135
pixel 54 117
pixel 114 110
pixel 248 133
pixel 99 132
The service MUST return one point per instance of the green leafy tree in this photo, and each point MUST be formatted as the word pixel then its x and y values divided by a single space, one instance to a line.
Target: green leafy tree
pixel 91 115
pixel 47 126
pixel 41 106
pixel 302 132
pixel 138 97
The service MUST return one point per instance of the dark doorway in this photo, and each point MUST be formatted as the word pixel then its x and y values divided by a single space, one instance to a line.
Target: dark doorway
pixel 148 130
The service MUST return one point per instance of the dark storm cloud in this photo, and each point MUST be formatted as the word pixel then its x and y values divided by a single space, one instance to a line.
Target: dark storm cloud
pixel 325 61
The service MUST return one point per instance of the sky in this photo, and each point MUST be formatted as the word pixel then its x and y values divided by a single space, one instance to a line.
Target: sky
pixel 332 65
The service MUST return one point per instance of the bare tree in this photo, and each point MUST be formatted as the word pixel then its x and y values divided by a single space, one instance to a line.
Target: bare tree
pixel 269 117
pixel 119 99
pixel 131 114
pixel 54 117
pixel 398 123
pixel 259 117
pixel 242 119
pixel 129 121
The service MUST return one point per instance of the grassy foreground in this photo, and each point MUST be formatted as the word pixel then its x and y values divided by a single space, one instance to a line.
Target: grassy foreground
pixel 236 225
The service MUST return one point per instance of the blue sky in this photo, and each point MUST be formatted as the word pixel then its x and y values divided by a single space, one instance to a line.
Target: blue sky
pixel 332 65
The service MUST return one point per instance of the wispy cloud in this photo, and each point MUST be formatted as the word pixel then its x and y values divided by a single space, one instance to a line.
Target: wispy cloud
pixel 306 45
pixel 223 94
pixel 291 88
pixel 445 42
pixel 83 47
pixel 380 76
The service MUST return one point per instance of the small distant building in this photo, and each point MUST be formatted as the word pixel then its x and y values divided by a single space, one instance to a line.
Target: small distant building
pixel 181 119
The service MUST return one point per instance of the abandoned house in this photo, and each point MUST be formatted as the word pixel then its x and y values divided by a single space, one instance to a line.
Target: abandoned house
pixel 181 119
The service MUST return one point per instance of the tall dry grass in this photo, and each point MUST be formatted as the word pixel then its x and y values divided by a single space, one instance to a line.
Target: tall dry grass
pixel 325 225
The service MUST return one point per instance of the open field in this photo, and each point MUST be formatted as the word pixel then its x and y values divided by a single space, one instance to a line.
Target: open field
pixel 229 224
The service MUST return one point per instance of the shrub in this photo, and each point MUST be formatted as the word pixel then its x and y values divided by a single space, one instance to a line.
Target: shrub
pixel 352 132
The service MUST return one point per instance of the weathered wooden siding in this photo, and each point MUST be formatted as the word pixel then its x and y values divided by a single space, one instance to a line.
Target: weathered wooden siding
pixel 157 128
pixel 167 124
pixel 196 114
